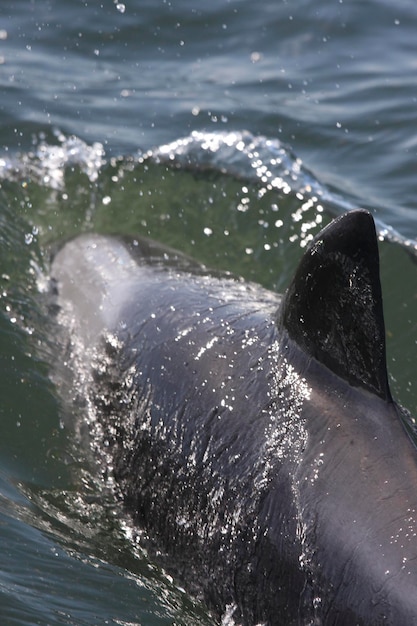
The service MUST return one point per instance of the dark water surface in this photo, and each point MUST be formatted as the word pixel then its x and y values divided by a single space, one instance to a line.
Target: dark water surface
pixel 231 130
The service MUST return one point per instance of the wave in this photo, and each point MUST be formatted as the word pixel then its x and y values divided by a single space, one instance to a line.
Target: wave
pixel 256 159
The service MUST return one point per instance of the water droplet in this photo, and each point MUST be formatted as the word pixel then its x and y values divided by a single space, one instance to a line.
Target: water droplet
pixel 316 602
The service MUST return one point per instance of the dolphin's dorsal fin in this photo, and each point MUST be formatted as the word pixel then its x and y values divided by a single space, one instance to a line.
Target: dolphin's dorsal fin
pixel 333 307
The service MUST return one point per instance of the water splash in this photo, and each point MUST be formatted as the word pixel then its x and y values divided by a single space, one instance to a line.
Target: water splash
pixel 265 162
pixel 48 163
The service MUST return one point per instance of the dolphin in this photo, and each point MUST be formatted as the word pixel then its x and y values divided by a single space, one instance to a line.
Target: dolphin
pixel 253 436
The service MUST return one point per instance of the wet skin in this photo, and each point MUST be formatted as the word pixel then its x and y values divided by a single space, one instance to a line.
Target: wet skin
pixel 253 436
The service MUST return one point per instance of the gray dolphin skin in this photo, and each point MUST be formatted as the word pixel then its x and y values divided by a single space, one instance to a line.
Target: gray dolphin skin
pixel 253 436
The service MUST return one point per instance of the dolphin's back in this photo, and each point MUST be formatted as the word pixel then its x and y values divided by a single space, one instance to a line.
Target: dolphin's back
pixel 253 436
